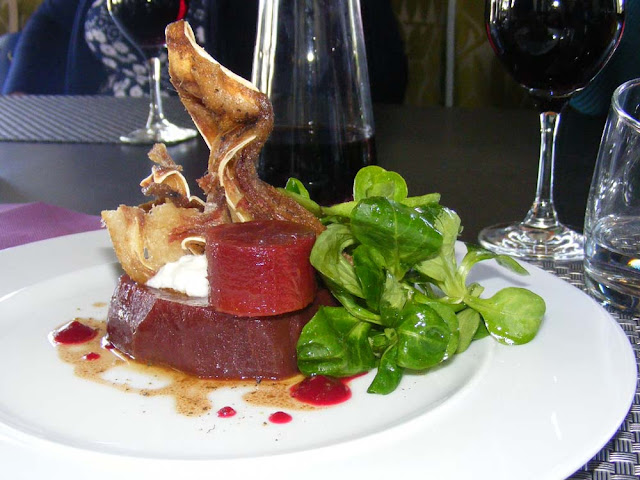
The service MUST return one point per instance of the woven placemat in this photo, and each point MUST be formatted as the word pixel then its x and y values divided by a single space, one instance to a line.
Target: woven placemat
pixel 78 119
pixel 620 458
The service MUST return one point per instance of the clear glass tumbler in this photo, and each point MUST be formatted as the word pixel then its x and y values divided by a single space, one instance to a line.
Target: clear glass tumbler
pixel 612 219
pixel 310 60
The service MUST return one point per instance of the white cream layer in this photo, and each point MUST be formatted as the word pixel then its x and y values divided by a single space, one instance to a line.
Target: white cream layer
pixel 187 275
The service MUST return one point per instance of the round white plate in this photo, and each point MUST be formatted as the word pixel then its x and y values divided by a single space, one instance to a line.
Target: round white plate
pixel 536 411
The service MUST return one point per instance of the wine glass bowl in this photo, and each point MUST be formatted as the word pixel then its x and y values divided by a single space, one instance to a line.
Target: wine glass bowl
pixel 143 22
pixel 552 48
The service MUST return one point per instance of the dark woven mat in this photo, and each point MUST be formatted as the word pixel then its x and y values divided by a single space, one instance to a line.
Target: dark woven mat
pixel 620 458
pixel 78 119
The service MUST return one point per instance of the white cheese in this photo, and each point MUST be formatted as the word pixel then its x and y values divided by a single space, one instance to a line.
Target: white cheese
pixel 187 275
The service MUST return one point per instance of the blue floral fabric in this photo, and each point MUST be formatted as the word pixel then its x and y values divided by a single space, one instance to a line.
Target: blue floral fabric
pixel 126 67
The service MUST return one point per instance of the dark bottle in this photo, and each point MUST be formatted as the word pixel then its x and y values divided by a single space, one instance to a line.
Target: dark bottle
pixel 554 48
pixel 144 21
pixel 326 164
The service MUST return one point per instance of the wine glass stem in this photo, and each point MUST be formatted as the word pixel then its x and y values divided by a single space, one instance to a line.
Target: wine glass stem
pixel 156 113
pixel 543 213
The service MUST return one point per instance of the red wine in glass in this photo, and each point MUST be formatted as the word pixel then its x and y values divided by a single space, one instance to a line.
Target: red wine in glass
pixel 553 48
pixel 143 22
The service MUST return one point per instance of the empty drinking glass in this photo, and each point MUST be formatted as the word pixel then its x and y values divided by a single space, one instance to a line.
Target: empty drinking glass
pixel 612 219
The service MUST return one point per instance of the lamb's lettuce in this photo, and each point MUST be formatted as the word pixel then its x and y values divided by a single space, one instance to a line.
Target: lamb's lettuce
pixel 390 260
pixel 402 236
pixel 335 343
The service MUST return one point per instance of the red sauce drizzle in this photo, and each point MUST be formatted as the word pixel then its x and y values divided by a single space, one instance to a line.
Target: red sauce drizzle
pixel 226 412
pixel 74 333
pixel 91 356
pixel 280 417
pixel 320 390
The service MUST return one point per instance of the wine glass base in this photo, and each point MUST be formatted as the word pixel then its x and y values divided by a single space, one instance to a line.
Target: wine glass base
pixel 531 243
pixel 159 132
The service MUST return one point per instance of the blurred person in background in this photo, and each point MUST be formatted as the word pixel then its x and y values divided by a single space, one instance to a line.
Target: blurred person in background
pixel 73 47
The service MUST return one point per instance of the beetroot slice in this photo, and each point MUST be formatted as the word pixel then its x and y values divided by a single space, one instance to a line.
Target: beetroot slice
pixel 165 328
pixel 260 268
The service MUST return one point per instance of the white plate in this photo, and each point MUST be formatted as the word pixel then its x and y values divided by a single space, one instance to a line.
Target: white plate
pixel 536 411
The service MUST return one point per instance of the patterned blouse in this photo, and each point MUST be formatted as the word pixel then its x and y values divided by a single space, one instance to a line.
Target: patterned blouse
pixel 126 66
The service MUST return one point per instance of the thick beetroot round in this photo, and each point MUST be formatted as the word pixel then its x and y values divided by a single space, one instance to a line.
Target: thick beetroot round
pixel 260 268
pixel 161 327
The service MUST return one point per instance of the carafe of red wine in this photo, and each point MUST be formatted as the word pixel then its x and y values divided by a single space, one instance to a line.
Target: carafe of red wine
pixel 310 60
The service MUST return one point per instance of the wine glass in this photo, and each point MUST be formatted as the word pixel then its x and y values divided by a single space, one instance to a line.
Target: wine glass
pixel 143 22
pixel 553 48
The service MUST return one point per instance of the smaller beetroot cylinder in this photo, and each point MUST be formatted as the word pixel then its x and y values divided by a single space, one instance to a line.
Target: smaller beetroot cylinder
pixel 260 268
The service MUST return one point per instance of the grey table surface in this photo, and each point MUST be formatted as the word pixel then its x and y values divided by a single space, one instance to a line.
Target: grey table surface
pixel 64 151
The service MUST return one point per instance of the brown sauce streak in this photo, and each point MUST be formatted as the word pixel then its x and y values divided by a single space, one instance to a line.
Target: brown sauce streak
pixel 190 393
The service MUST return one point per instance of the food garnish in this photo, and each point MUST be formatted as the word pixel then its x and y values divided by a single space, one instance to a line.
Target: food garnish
pixel 390 260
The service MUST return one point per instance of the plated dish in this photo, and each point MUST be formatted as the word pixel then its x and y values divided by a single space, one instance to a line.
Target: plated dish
pixel 540 410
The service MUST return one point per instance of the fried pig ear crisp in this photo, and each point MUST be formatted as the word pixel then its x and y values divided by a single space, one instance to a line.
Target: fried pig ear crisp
pixel 235 120
pixel 166 180
pixel 147 237
pixel 144 241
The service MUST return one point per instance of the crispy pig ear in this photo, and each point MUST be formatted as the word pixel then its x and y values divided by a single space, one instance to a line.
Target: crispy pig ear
pixel 218 100
pixel 231 114
pixel 143 241
pixel 195 244
pixel 235 120
pixel 166 181
pixel 160 156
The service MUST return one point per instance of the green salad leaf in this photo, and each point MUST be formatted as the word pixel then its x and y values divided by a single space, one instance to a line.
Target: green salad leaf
pixel 335 343
pixel 390 260
pixel 389 373
pixel 327 257
pixel 377 182
pixel 401 235
pixel 423 337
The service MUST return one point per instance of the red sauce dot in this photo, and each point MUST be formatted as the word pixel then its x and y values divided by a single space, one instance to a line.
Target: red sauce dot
pixel 109 346
pixel 321 390
pixel 280 417
pixel 226 412
pixel 73 333
pixel 91 356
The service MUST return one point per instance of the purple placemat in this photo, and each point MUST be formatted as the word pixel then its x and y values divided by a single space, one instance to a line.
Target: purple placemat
pixel 30 222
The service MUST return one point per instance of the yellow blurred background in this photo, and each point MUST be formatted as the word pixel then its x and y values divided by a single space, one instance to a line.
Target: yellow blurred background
pixel 478 78
pixel 24 8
